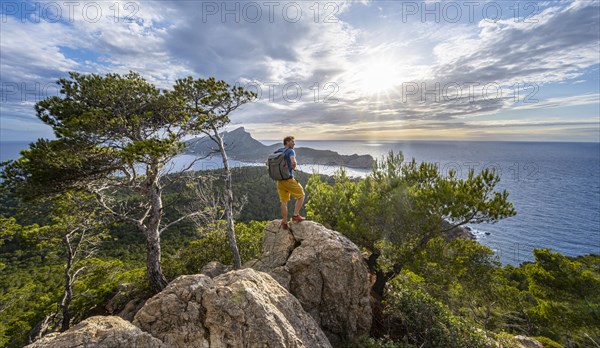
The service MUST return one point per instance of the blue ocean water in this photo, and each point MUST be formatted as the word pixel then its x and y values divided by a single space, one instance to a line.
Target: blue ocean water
pixel 10 149
pixel 555 187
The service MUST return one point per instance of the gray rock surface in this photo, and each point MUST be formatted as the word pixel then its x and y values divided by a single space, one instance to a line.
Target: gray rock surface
pixel 325 271
pixel 126 302
pixel 461 232
pixel 244 308
pixel 105 332
pixel 214 269
pixel 528 342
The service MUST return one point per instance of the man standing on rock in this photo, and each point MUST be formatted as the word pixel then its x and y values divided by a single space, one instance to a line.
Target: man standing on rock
pixel 291 186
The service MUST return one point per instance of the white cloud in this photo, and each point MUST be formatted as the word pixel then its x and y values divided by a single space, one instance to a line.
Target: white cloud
pixel 169 40
pixel 561 102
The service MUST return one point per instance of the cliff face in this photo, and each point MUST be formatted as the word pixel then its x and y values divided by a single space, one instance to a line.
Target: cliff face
pixel 325 271
pixel 241 146
pixel 316 291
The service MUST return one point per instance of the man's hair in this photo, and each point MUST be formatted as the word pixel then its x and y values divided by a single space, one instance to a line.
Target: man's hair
pixel 287 139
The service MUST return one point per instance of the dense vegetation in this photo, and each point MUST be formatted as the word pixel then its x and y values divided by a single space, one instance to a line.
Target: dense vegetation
pixel 118 134
pixel 33 269
pixel 440 298
pixel 95 220
pixel 437 291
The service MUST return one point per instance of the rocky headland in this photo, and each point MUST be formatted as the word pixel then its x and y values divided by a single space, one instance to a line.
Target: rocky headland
pixel 240 146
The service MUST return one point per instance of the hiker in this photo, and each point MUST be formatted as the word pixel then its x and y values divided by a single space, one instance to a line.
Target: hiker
pixel 290 186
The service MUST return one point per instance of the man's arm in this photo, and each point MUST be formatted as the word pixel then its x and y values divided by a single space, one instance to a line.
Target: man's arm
pixel 293 159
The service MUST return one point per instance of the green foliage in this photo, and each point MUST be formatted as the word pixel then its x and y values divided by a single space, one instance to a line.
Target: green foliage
pixel 568 295
pixel 416 318
pixel 213 246
pixel 404 203
pixel 27 294
pixel 115 134
pixel 31 290
pixel 459 274
pixel 8 228
pixel 105 124
pixel 548 343
pixel 370 342
pixel 96 285
pixel 210 100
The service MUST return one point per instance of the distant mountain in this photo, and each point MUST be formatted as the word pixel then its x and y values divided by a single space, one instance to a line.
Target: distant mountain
pixel 242 147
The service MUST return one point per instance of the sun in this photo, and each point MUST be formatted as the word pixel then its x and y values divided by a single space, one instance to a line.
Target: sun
pixel 377 75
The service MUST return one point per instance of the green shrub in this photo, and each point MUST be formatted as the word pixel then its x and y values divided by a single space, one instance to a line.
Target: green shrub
pixel 214 246
pixel 416 318
pixel 369 342
pixel 548 343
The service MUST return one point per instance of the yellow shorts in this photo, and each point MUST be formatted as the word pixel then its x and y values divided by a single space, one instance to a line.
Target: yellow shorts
pixel 288 187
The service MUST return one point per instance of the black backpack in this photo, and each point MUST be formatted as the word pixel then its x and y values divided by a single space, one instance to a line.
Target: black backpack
pixel 278 167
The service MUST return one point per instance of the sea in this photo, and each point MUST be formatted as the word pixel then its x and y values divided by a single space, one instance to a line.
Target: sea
pixel 554 186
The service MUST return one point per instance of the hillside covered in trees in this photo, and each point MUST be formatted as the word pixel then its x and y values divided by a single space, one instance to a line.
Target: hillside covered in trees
pixel 458 286
pixel 92 223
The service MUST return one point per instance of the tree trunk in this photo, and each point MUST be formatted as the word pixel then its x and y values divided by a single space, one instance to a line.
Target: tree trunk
pixel 381 280
pixel 237 262
pixel 377 289
pixel 68 297
pixel 154 271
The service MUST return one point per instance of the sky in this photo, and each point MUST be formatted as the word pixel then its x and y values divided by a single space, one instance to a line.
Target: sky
pixel 327 70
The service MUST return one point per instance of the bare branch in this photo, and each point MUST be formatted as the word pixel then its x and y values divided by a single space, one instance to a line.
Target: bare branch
pixel 100 200
pixel 145 216
pixel 179 175
pixel 79 242
pixel 178 220
pixel 76 274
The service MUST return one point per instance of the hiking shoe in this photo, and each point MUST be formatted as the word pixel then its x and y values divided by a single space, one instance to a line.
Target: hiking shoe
pixel 298 218
pixel 284 225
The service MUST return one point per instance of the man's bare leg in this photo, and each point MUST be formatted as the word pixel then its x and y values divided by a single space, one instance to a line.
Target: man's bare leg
pixel 284 212
pixel 298 206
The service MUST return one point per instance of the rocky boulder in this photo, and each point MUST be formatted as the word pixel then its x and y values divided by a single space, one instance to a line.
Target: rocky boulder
pixel 461 232
pixel 244 308
pixel 105 332
pixel 214 269
pixel 325 271
pixel 126 302
pixel 527 342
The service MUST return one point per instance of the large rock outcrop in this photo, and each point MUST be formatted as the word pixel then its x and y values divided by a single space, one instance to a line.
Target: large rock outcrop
pixel 325 271
pixel 244 308
pixel 105 332
pixel 316 291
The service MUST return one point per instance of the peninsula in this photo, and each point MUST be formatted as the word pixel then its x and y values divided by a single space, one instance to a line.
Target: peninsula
pixel 242 147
